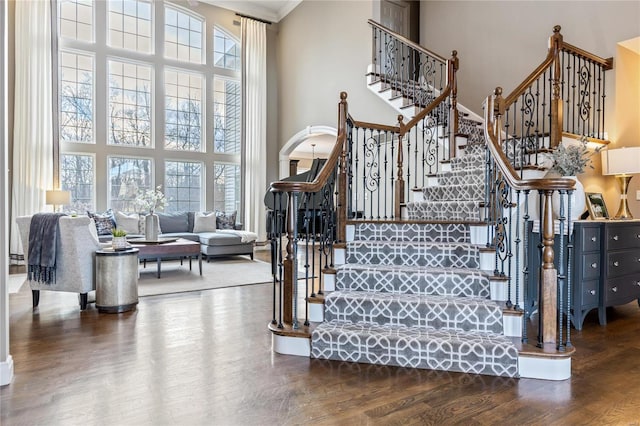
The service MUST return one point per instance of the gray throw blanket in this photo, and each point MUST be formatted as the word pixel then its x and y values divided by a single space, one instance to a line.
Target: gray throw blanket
pixel 43 234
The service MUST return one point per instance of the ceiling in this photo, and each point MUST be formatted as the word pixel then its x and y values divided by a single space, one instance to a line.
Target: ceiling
pixel 268 10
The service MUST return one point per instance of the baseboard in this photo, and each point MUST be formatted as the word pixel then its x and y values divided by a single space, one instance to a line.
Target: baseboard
pixel 6 371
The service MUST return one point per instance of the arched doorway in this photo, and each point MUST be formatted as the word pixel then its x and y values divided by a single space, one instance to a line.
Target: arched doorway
pixel 321 137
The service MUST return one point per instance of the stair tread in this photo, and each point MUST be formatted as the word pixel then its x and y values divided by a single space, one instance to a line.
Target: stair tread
pixel 410 269
pixel 361 243
pixel 418 332
pixel 416 347
pixel 412 297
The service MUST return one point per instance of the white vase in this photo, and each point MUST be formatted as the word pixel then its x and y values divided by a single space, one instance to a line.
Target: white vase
pixel 578 202
pixel 151 227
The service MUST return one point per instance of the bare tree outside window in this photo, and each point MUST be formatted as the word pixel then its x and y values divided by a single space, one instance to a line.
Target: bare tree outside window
pixel 77 175
pixel 127 176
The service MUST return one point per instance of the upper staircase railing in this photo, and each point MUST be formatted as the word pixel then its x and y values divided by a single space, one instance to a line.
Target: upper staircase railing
pixel 563 96
pixel 367 176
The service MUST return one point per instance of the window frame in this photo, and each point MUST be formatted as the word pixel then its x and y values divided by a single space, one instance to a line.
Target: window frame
pixel 157 153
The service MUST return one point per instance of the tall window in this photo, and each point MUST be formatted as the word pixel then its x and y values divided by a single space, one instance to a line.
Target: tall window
pixel 226 115
pixel 127 176
pixel 183 185
pixel 76 19
pixel 226 53
pixel 130 25
pixel 183 36
pixel 77 175
pixel 183 110
pixel 76 97
pixel 144 113
pixel 129 104
pixel 226 186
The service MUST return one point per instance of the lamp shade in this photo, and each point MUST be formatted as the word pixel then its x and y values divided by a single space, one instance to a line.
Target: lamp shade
pixel 621 161
pixel 58 197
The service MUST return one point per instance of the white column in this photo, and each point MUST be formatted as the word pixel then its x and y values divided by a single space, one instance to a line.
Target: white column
pixel 6 362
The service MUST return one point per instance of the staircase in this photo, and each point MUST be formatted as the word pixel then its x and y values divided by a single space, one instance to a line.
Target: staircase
pixel 434 276
pixel 412 294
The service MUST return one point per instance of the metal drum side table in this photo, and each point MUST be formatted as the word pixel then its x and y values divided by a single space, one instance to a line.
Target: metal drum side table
pixel 116 280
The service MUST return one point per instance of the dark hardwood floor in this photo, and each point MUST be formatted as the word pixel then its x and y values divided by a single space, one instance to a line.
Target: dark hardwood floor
pixel 204 358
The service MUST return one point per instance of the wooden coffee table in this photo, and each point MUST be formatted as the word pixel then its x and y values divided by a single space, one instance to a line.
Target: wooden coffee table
pixel 168 249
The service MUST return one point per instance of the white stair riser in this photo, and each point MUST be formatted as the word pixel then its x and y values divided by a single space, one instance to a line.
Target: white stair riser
pixel 512 325
pixel 339 256
pixel 329 282
pixel 531 367
pixel 286 345
pixel 498 289
pixel 316 312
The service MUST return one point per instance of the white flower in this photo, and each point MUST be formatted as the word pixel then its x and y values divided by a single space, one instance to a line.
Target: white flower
pixel 151 199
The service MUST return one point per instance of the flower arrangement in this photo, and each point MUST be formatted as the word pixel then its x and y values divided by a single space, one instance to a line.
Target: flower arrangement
pixel 151 199
pixel 573 159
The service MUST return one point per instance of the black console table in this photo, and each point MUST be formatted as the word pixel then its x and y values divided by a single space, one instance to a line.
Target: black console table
pixel 605 267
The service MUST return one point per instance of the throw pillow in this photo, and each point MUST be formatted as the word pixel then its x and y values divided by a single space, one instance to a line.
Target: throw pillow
pixel 105 222
pixel 225 221
pixel 203 222
pixel 127 222
pixel 175 222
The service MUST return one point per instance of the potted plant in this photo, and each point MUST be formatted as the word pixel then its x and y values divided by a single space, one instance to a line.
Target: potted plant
pixel 118 239
pixel 569 161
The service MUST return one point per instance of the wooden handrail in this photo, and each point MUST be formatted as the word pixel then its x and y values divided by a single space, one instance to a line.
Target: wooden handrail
pixel 406 41
pixel 374 126
pixel 329 166
pixel 511 98
pixel 607 63
pixel 493 136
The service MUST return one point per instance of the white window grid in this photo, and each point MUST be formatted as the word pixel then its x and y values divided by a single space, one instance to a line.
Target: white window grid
pixel 184 93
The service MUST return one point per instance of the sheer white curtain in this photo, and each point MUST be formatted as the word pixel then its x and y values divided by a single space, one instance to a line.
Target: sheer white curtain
pixel 254 74
pixel 32 171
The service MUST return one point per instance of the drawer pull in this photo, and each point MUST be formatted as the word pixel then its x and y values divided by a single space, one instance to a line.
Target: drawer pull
pixel 594 265
pixel 614 289
pixel 615 238
pixel 638 283
pixel 593 292
pixel 616 263
pixel 594 238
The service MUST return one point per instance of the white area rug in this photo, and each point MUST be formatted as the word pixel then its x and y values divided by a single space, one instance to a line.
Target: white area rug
pixel 15 282
pixel 218 273
pixel 174 278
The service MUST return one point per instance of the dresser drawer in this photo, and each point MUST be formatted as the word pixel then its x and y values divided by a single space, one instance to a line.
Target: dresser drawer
pixel 623 262
pixel 621 290
pixel 622 237
pixel 589 239
pixel 589 265
pixel 586 294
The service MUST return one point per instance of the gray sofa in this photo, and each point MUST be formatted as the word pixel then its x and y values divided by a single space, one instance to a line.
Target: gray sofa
pixel 212 244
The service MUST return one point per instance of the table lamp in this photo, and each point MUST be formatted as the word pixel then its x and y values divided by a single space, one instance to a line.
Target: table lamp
pixel 622 163
pixel 58 197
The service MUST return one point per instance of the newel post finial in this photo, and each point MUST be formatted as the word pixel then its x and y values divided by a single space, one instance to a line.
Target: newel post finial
pixel 556 29
pixel 343 96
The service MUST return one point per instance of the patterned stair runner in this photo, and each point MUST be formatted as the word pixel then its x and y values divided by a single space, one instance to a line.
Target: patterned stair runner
pixel 411 294
pixel 460 191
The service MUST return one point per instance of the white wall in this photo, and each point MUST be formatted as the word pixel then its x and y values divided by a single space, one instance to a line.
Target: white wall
pixel 324 48
pixel 6 365
pixel 500 42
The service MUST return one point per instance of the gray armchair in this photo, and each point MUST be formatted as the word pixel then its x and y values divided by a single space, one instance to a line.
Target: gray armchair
pixel 77 243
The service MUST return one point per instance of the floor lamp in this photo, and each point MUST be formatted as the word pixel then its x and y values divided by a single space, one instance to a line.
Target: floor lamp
pixel 57 197
pixel 622 163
